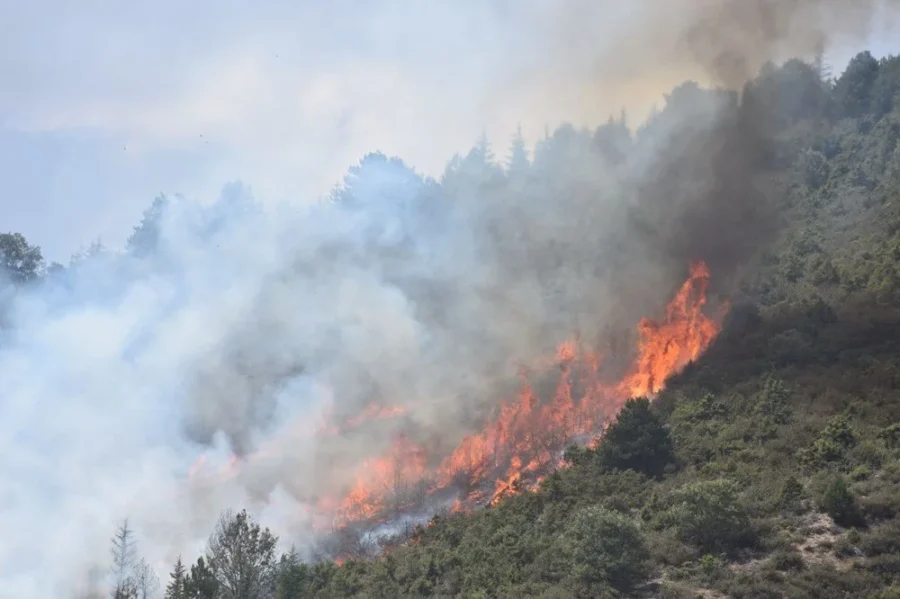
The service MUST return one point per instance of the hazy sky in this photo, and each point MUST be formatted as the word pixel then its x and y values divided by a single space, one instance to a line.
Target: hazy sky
pixel 103 104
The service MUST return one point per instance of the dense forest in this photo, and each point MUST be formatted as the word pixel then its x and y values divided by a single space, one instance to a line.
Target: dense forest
pixel 768 468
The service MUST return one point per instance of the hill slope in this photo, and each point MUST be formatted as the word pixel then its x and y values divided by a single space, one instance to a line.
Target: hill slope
pixel 778 450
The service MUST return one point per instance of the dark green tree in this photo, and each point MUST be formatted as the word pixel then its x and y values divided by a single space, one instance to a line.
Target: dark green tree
pixel 853 90
pixel 178 578
pixel 241 554
pixel 886 89
pixel 201 583
pixel 839 503
pixel 709 515
pixel 607 548
pixel 19 261
pixel 292 574
pixel 637 440
pixel 814 168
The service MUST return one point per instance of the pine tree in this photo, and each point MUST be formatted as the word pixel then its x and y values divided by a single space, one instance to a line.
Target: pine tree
pixel 518 154
pixel 123 555
pixel 201 583
pixel 291 576
pixel 482 150
pixel 242 556
pixel 637 440
pixel 146 584
pixel 176 587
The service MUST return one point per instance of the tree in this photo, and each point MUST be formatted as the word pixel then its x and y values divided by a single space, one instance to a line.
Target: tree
pixel 145 236
pixel 832 444
pixel 292 575
pixel 839 503
pixel 853 91
pixel 241 555
pixel 123 556
pixel 613 140
pixel 814 168
pixel 606 547
pixel 176 587
pixel 775 401
pixel 518 162
pixel 378 180
pixel 886 88
pixel 19 261
pixel 145 581
pixel 708 514
pixel 132 577
pixel 637 440
pixel 201 583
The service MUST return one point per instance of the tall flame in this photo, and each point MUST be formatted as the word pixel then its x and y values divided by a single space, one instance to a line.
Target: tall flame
pixel 527 435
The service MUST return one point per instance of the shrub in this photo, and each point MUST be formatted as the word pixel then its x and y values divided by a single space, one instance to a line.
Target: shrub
pixel 637 440
pixel 708 515
pixel 884 539
pixel 788 561
pixel 839 503
pixel 607 548
pixel 891 435
pixel 833 442
pixel 813 168
pixel 790 494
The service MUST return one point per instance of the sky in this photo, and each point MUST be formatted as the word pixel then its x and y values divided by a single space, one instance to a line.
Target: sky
pixel 105 105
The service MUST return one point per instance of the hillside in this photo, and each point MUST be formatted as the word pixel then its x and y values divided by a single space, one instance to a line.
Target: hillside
pixel 768 467
pixel 783 477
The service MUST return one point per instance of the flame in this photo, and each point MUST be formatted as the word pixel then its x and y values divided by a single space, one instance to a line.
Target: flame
pixel 526 436
pixel 384 484
pixel 666 347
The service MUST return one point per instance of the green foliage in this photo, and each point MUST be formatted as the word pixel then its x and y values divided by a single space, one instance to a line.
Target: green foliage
pixel 832 443
pixel 201 583
pixel 838 502
pixel 19 261
pixel 773 406
pixel 891 435
pixel 637 440
pixel 176 589
pixel 790 494
pixel 606 547
pixel 813 168
pixel 709 515
pixel 241 555
pixel 787 560
pixel 853 90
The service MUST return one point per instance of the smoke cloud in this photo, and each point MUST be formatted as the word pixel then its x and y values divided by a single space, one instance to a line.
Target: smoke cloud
pixel 234 329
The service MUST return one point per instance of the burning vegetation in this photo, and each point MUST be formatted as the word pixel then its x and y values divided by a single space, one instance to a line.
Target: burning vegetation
pixel 525 437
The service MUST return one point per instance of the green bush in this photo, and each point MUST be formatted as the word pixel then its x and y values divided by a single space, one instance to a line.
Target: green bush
pixel 788 560
pixel 813 168
pixel 832 444
pixel 839 503
pixel 707 514
pixel 637 440
pixel 790 494
pixel 606 547
pixel 884 539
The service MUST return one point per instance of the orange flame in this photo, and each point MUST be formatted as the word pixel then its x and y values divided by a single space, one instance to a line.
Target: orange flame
pixel 526 437
pixel 666 347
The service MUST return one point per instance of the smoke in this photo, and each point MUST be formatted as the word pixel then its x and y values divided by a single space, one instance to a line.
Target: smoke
pixel 234 329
